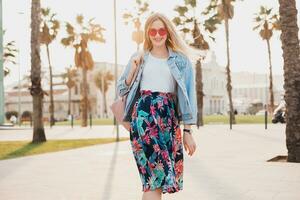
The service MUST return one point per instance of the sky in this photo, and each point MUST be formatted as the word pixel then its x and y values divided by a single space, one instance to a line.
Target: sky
pixel 248 50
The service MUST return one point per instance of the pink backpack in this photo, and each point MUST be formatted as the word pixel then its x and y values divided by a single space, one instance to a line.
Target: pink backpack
pixel 118 106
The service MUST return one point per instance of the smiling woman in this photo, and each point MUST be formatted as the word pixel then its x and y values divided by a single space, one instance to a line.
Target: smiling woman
pixel 162 95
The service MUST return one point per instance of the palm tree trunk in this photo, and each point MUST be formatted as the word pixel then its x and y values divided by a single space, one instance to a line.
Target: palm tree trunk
pixel 200 94
pixel 291 50
pixel 84 100
pixel 105 105
pixel 69 101
pixel 229 87
pixel 36 89
pixel 51 107
pixel 271 79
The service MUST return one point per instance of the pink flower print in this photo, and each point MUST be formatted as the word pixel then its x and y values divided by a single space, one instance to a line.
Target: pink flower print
pixel 152 110
pixel 174 149
pixel 146 138
pixel 136 146
pixel 156 148
pixel 153 132
pixel 166 101
pixel 169 190
pixel 147 92
pixel 172 113
pixel 178 134
pixel 179 168
pixel 143 169
pixel 165 155
pixel 151 166
pixel 160 165
pixel 161 124
pixel 160 105
pixel 170 122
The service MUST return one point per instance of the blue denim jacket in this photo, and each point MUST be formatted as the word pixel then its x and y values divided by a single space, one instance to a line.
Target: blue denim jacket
pixel 182 71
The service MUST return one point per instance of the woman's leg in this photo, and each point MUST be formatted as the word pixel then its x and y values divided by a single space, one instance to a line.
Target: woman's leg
pixel 152 195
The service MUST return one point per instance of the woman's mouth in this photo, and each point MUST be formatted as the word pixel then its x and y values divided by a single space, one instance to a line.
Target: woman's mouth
pixel 158 39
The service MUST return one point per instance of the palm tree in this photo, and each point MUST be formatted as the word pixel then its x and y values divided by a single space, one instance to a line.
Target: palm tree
pixel 219 11
pixel 198 41
pixel 36 89
pixel 103 80
pixel 83 58
pixel 49 30
pixel 266 22
pixel 69 78
pixel 135 17
pixel 291 52
pixel 9 55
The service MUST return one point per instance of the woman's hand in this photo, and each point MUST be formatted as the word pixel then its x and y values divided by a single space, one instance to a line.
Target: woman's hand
pixel 135 63
pixel 189 143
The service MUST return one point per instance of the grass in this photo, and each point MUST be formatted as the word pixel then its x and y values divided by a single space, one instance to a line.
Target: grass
pixel 240 119
pixel 14 149
pixel 209 119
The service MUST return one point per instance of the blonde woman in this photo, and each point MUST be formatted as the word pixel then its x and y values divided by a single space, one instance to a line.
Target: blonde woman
pixel 161 96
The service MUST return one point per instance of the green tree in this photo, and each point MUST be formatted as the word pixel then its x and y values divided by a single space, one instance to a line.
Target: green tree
pixel 49 31
pixel 291 51
pixel 36 89
pixel 186 17
pixel 79 40
pixel 219 11
pixel 103 79
pixel 266 22
pixel 139 12
pixel 9 55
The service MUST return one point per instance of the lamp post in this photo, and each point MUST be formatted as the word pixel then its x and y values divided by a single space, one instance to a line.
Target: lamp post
pixel 19 78
pixel 116 63
pixel 1 70
pixel 266 105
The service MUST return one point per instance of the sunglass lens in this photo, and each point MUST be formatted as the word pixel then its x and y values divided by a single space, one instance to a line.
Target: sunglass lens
pixel 152 32
pixel 162 31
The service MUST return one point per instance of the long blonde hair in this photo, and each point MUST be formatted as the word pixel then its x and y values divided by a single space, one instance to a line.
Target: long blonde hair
pixel 174 41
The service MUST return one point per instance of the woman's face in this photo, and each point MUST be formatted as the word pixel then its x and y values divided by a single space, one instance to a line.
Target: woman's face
pixel 157 33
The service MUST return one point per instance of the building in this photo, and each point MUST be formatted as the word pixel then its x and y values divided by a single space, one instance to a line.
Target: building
pixel 214 87
pixel 61 95
pixel 251 88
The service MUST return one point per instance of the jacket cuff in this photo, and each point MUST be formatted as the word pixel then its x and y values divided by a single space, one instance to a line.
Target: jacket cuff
pixel 189 120
pixel 123 87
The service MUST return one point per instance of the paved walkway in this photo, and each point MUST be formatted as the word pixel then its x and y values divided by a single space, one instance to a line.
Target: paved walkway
pixel 62 132
pixel 228 165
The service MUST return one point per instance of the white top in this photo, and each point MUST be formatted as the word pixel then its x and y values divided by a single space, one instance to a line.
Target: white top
pixel 157 75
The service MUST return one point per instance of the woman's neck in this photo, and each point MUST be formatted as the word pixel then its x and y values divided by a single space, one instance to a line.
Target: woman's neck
pixel 160 52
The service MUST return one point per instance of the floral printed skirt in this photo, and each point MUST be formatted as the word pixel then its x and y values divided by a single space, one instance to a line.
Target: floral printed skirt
pixel 155 138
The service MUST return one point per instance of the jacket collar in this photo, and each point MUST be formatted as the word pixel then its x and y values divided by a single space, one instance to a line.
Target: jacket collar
pixel 172 54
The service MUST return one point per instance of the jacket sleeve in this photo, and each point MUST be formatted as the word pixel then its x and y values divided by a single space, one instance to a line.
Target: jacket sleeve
pixel 191 91
pixel 122 87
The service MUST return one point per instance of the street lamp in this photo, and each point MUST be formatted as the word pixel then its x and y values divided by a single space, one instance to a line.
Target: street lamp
pixel 116 63
pixel 19 78
pixel 1 70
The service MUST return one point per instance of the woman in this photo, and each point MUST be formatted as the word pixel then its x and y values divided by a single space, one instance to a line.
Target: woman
pixel 162 94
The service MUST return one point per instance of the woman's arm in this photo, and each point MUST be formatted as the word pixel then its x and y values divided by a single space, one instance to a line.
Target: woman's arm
pixel 124 81
pixel 189 80
pixel 191 91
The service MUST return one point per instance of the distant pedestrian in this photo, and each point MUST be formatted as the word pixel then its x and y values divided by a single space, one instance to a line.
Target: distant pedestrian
pixel 13 119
